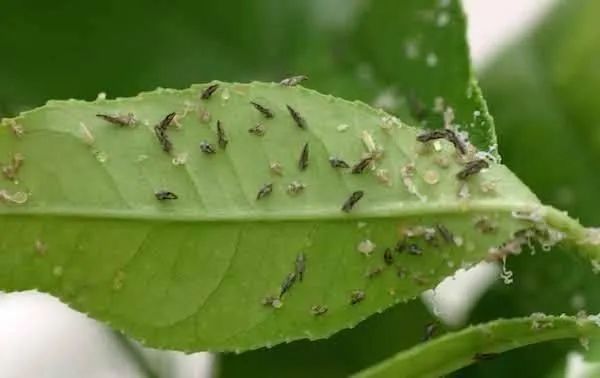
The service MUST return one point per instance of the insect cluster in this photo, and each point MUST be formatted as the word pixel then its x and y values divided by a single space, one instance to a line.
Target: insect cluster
pixel 414 242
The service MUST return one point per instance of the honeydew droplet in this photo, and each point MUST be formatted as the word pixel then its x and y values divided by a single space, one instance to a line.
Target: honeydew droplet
pixel 225 95
pixel 101 96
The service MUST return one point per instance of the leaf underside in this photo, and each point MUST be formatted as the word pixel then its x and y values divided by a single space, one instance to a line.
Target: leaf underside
pixel 80 219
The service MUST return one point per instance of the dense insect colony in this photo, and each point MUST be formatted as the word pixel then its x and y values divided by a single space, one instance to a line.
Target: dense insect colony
pixel 413 242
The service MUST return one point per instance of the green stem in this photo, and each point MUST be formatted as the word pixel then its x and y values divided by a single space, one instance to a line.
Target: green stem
pixel 459 349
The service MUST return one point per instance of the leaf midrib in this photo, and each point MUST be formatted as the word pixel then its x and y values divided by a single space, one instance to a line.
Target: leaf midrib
pixel 399 210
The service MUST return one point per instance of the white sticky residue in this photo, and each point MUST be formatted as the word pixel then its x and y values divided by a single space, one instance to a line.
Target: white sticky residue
pixel 366 247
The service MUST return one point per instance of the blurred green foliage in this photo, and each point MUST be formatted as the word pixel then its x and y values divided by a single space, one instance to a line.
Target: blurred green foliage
pixel 543 93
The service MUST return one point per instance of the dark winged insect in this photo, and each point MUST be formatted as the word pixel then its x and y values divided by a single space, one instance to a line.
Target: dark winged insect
pixel 266 112
pixel 300 122
pixel 163 195
pixel 207 148
pixel 318 310
pixel 293 80
pixel 388 257
pixel 300 265
pixel 362 165
pixel 338 163
pixel 166 122
pixel 352 200
pixel 161 132
pixel 471 168
pixel 208 92
pixel 258 130
pixel 163 139
pixel 447 134
pixel 430 330
pixel 356 296
pixel 264 191
pixel 287 284
pixel 221 137
pixel 303 161
pixel 119 120
pixel 485 356
pixel 444 233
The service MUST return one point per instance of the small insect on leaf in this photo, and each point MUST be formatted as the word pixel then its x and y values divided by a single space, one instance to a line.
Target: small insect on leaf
pixel 388 257
pixel 352 200
pixel 221 137
pixel 300 122
pixel 207 148
pixel 485 356
pixel 295 188
pixel 447 134
pixel 264 191
pixel 445 233
pixel 160 131
pixel 430 330
pixel 163 195
pixel 362 165
pixel 293 80
pixel 300 265
pixel 167 121
pixel 119 120
pixel 471 168
pixel 303 161
pixel 287 284
pixel 258 130
pixel 266 112
pixel 357 296
pixel 208 92
pixel 318 310
pixel 337 163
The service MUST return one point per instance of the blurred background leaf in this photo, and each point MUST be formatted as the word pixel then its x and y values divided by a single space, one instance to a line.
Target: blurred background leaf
pixel 543 93
pixel 376 51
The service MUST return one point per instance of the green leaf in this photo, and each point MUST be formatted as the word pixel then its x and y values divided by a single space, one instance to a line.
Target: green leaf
pixel 479 343
pixel 82 222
